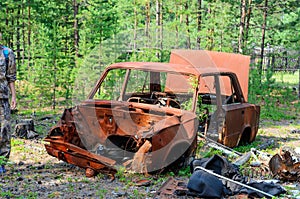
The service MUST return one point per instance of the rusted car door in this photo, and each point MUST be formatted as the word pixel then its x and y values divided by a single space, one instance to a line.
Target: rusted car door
pixel 232 120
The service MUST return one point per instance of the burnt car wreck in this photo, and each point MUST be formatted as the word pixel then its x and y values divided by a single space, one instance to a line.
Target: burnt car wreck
pixel 146 116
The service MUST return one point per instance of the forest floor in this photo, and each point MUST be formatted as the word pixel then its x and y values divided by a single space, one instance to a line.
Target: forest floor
pixel 32 173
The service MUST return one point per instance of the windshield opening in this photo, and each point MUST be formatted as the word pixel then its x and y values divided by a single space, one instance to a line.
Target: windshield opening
pixel 168 89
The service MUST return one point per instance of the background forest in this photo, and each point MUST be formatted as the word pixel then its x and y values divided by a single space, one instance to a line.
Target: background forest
pixel 62 46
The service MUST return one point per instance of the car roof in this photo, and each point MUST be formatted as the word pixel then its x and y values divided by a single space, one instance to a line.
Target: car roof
pixel 167 67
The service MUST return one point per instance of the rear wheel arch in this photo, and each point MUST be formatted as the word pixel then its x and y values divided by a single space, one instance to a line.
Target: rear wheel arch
pixel 246 136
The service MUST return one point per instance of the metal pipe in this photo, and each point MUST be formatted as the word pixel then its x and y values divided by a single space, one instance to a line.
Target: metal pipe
pixel 219 144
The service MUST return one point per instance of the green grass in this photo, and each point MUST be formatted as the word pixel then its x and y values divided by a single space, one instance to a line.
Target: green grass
pixel 277 95
pixel 284 78
pixel 246 148
pixel 41 125
pixel 16 142
pixel 6 194
pixel 3 160
pixel 185 171
pixel 39 112
pixel 101 193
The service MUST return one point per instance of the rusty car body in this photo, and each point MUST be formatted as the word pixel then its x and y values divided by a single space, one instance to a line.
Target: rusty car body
pixel 146 115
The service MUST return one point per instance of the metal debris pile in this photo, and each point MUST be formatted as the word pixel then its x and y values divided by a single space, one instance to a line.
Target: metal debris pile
pixel 216 177
pixel 285 165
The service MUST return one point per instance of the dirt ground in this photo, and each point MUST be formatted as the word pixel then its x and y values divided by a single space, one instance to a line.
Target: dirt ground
pixel 32 173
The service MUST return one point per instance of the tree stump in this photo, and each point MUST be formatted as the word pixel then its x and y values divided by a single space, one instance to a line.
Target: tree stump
pixel 25 129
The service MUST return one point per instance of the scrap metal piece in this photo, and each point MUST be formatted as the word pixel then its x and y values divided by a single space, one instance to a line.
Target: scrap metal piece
pixel 139 163
pixel 261 155
pixel 172 188
pixel 284 167
pixel 72 154
pixel 143 182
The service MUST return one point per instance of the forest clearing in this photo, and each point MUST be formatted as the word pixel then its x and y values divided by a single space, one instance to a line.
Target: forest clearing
pixel 62 47
pixel 32 173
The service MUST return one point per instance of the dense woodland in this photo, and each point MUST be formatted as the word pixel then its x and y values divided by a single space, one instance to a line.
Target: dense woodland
pixel 63 45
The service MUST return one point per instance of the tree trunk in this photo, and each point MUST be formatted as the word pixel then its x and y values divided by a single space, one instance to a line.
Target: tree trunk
pixel 23 35
pixel 29 35
pixel 54 85
pixel 161 28
pixel 158 28
pixel 18 35
pixel 147 23
pixel 135 27
pixel 54 63
pixel 6 23
pixel 177 18
pixel 11 34
pixel 263 39
pixel 248 16
pixel 210 37
pixel 76 35
pixel 199 21
pixel 242 25
pixel 187 23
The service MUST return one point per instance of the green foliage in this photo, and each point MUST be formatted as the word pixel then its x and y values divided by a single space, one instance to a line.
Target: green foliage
pixel 6 194
pixel 203 152
pixel 274 96
pixel 121 174
pixel 212 152
pixel 32 195
pixel 246 148
pixel 185 172
pixel 62 47
pixel 52 195
pixel 3 160
pixel 16 142
pixel 137 194
pixel 101 193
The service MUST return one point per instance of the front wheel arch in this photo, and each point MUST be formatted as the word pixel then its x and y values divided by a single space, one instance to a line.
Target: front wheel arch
pixel 176 162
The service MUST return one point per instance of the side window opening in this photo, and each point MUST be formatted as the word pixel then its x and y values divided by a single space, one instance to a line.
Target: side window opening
pixel 111 87
pixel 228 91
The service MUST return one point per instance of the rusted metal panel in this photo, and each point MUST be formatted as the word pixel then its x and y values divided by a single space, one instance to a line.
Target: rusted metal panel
pixel 172 188
pixel 239 118
pixel 204 59
pixel 93 133
pixel 77 156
